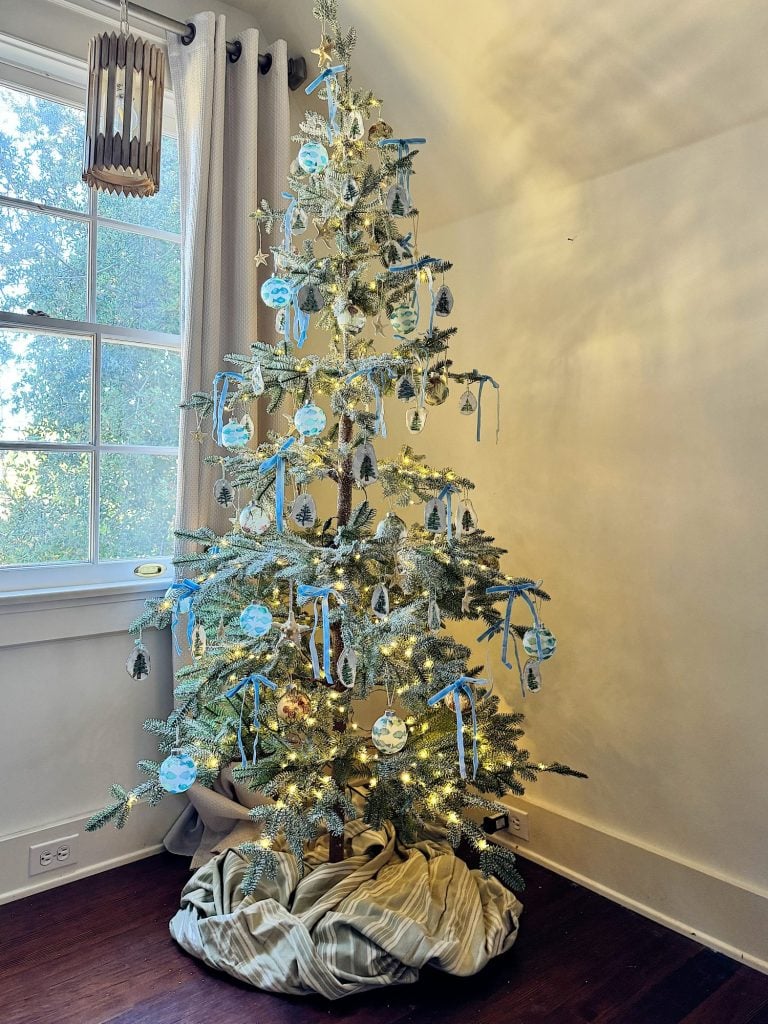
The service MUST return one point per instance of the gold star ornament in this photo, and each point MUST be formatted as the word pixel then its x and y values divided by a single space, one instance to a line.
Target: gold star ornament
pixel 260 258
pixel 324 52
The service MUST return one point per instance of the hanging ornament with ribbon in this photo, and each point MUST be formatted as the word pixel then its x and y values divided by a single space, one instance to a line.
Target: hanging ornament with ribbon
pixel 389 733
pixel 443 301
pixel 309 420
pixel 223 492
pixel 532 675
pixel 256 620
pixel 319 596
pixel 254 520
pixel 513 590
pixel 277 462
pixel 327 77
pixel 466 517
pixel 310 298
pixel 467 403
pixel 404 389
pixel 446 495
pixel 403 171
pixel 463 686
pixel 256 681
pixel 415 419
pixel 180 595
pixel 437 387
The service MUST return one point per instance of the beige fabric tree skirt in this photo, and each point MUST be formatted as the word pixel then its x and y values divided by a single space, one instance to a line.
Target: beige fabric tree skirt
pixel 376 918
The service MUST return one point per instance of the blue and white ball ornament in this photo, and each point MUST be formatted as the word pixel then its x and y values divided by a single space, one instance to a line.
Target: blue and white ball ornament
pixel 177 773
pixel 256 620
pixel 236 433
pixel 310 420
pixel 389 733
pixel 404 319
pixel 276 292
pixel 548 643
pixel 313 157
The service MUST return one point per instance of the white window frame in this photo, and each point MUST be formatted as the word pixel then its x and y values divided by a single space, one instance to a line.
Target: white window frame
pixel 62 79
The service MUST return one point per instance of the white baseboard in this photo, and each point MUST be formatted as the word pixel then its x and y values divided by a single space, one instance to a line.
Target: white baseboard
pixel 724 914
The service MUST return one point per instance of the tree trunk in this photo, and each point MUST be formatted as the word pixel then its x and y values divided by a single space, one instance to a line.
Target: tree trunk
pixel 343 509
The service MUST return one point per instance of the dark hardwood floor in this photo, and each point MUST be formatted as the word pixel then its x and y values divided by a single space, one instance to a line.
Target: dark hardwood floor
pixel 98 951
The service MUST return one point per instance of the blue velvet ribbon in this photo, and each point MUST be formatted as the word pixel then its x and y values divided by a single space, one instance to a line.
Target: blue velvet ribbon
pixel 328 77
pixel 513 591
pixel 403 149
pixel 320 596
pixel 220 392
pixel 484 379
pixel 381 424
pixel 277 462
pixel 446 495
pixel 182 589
pixel 456 688
pixel 254 679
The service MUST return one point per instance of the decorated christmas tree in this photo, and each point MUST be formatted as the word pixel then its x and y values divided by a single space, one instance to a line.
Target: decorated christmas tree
pixel 296 623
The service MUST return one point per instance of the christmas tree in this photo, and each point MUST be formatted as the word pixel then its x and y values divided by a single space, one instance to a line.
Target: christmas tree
pixel 286 700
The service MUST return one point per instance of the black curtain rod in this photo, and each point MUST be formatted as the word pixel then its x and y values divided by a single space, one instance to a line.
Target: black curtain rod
pixel 297 66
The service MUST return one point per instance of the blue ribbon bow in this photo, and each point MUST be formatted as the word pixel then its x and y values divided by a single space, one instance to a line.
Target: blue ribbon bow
pixel 252 680
pixel 306 593
pixel 513 591
pixel 457 687
pixel 220 400
pixel 328 76
pixel 484 379
pixel 403 149
pixel 277 462
pixel 446 495
pixel 183 589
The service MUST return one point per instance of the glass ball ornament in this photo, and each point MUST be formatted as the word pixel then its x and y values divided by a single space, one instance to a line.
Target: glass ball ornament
pixel 313 157
pixel 294 706
pixel 177 772
pixel 404 319
pixel 548 643
pixel 236 433
pixel 351 319
pixel 389 733
pixel 310 420
pixel 391 527
pixel 256 620
pixel 254 520
pixel 436 390
pixel 276 292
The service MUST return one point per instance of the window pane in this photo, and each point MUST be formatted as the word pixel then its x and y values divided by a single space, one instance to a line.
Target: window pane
pixel 43 264
pixel 140 394
pixel 158 211
pixel 43 507
pixel 138 503
pixel 45 387
pixel 137 281
pixel 41 147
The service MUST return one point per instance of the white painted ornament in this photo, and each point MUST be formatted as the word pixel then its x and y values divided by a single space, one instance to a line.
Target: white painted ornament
pixel 391 527
pixel 299 221
pixel 237 433
pixel 404 319
pixel 281 321
pixel 138 664
pixel 350 318
pixel 256 620
pixel 304 511
pixel 434 622
pixel 254 520
pixel 389 733
pixel 397 201
pixel 416 419
pixel 532 675
pixel 435 515
pixel 310 298
pixel 350 191
pixel 444 301
pixel 380 601
pixel 467 403
pixel 404 389
pixel 310 420
pixel 294 706
pixel 355 126
pixel 257 380
pixel 466 517
pixel 547 640
pixel 346 667
pixel 199 642
pixel 223 493
pixel 177 772
pixel 364 466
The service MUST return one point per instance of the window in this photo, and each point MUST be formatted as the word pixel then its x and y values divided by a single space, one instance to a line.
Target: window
pixel 89 391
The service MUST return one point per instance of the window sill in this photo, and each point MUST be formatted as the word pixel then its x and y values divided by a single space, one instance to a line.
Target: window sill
pixel 57 613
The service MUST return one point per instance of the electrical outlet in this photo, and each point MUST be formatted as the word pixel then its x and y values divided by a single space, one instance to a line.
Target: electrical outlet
pixel 53 854
pixel 518 823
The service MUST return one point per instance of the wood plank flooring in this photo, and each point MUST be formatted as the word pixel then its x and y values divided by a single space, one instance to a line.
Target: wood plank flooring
pixel 98 952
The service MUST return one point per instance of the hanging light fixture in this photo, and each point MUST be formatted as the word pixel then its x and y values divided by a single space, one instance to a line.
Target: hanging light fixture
pixel 124 113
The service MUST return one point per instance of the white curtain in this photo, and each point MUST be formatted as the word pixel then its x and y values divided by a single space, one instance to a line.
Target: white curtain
pixel 234 138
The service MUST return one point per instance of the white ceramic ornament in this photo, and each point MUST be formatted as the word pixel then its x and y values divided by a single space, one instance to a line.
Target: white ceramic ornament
pixel 355 125
pixel 397 201
pixel 256 620
pixel 466 517
pixel 404 319
pixel 177 772
pixel 467 403
pixel 444 301
pixel 138 664
pixel 281 318
pixel 346 667
pixel 310 420
pixel 415 419
pixel 310 299
pixel 350 191
pixel 254 520
pixel 389 733
pixel 299 221
pixel 435 515
pixel 237 433
pixel 548 643
pixel 276 292
pixel 364 466
pixel 257 380
pixel 293 706
pixel 350 318
pixel 404 389
pixel 199 642
pixel 380 601
pixel 313 157
pixel 304 511
pixel 532 675
pixel 223 493
pixel 391 527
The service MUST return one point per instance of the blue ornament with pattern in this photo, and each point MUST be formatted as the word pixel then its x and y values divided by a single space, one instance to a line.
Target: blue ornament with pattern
pixel 276 292
pixel 389 733
pixel 310 420
pixel 235 434
pixel 313 157
pixel 177 773
pixel 404 319
pixel 256 620
pixel 548 643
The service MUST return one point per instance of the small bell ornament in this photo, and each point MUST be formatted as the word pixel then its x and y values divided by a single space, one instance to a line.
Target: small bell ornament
pixel 380 601
pixel 416 419
pixel 467 403
pixel 389 733
pixel 138 664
